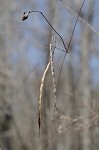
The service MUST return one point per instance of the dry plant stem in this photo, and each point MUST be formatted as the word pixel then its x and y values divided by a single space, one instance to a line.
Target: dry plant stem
pixel 52 28
pixel 25 16
pixel 52 49
pixel 41 94
pixel 42 85
pixel 55 47
pixel 70 42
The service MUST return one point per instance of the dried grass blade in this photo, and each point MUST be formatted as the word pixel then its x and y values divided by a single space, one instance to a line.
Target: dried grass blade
pixel 52 49
pixel 40 96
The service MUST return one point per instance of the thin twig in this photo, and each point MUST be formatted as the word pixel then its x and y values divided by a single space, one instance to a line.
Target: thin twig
pixel 69 43
pixel 55 47
pixel 80 18
pixel 26 15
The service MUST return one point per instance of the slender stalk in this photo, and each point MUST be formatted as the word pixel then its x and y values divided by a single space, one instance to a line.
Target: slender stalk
pixel 69 42
pixel 52 29
pixel 26 15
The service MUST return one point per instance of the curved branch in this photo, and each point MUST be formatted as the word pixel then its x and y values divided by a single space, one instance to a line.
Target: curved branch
pixel 26 15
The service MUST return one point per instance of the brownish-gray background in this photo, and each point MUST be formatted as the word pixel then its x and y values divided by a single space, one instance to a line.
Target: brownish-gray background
pixel 23 57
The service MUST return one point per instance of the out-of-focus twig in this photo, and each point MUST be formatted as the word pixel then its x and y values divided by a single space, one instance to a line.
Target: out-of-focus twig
pixel 80 18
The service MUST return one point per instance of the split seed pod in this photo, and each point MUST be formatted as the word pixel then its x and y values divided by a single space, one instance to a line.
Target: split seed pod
pixel 25 16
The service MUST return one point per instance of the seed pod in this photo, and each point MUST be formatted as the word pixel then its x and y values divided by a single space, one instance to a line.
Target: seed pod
pixel 25 16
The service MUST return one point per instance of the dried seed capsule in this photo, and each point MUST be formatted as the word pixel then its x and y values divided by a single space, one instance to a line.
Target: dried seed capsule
pixel 25 16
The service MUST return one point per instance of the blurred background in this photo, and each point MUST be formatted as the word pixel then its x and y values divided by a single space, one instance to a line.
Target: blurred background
pixel 24 54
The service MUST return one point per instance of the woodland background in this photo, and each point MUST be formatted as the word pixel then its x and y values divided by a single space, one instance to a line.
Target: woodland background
pixel 23 58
